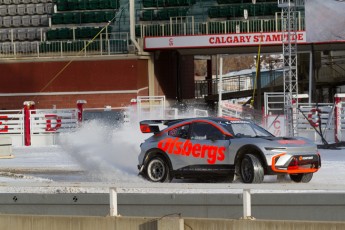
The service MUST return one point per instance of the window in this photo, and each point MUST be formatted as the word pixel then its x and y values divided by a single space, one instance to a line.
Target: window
pixel 205 131
pixel 181 131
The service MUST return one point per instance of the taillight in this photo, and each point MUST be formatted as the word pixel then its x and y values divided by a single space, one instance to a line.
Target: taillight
pixel 293 164
pixel 145 128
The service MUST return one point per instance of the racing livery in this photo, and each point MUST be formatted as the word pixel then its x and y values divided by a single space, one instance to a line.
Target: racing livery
pixel 220 148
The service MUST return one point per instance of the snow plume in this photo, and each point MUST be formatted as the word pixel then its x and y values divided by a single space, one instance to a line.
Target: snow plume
pixel 105 152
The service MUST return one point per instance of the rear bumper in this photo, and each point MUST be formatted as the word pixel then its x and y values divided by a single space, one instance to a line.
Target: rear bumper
pixel 303 166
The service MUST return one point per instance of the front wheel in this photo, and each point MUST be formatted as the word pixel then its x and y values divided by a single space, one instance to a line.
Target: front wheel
pixel 157 170
pixel 251 169
pixel 301 177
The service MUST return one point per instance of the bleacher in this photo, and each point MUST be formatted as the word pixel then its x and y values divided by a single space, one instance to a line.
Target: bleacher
pixel 208 16
pixel 25 24
pixel 28 26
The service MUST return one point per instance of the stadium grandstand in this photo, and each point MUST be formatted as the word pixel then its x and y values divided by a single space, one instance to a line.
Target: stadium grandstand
pixel 55 52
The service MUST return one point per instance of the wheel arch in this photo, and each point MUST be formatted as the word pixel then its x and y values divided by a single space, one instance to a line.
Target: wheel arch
pixel 157 152
pixel 253 150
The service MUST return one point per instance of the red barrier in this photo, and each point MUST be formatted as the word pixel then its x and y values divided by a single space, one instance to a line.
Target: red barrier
pixel 28 105
pixel 80 104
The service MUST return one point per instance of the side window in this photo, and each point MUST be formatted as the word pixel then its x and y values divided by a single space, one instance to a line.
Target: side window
pixel 205 131
pixel 181 131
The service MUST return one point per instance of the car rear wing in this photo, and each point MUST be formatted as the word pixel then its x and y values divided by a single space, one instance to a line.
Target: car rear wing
pixel 152 126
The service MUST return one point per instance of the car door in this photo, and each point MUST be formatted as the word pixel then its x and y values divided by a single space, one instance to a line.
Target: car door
pixel 209 145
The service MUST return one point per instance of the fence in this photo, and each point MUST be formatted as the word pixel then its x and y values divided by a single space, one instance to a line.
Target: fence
pixel 45 124
pixel 187 26
pixel 315 121
pixel 12 125
pixel 30 126
pixel 116 44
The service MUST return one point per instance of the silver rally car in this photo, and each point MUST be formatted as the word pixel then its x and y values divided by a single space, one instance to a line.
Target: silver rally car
pixel 219 148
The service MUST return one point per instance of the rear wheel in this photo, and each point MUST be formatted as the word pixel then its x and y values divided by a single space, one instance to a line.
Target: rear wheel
pixel 157 170
pixel 301 177
pixel 251 169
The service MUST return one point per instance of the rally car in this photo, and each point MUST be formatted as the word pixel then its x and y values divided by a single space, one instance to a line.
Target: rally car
pixel 220 148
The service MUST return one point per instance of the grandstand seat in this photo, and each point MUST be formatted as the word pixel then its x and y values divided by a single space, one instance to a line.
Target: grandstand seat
pixel 7 2
pixel 99 17
pixel 83 4
pixel 30 8
pixel 110 4
pixel 16 21
pixel 109 15
pixel 16 2
pixel 57 18
pixel 12 9
pixel 20 34
pixel 5 35
pixel 7 47
pixel 62 5
pixel 93 4
pixel 31 34
pixel 149 3
pixel 65 33
pixel 68 18
pixel 72 5
pixel 44 20
pixel 147 15
pixel 52 34
pixel 48 8
pixel 40 9
pixel 35 20
pixel 3 10
pixel 88 17
pixel 0 22
pixel 21 9
pixel 7 21
pixel 25 1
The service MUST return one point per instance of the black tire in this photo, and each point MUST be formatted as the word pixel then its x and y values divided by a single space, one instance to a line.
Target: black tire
pixel 157 170
pixel 251 169
pixel 301 177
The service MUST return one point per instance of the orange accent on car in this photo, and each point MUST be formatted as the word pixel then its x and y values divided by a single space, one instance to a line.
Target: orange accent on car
pixel 296 142
pixel 295 168
pixel 231 118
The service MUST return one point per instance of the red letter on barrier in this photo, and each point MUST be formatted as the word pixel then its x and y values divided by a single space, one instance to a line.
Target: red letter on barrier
pixel 5 128
pixel 49 127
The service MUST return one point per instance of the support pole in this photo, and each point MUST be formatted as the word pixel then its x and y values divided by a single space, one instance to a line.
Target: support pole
pixel 247 206
pixel 113 202
pixel 220 87
pixel 80 104
pixel 28 105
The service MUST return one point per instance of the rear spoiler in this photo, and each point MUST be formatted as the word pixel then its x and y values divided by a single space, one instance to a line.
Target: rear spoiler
pixel 152 126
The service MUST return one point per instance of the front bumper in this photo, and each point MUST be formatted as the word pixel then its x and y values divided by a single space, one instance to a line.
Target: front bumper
pixel 302 164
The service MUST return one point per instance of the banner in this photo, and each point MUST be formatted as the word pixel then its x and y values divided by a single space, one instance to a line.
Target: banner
pixel 221 40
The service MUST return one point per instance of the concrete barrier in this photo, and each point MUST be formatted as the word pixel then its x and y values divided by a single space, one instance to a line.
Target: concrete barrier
pixel 6 147
pixel 21 222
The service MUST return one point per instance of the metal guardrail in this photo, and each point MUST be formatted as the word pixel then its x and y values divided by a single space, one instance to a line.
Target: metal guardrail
pixel 234 84
pixel 116 44
pixel 190 27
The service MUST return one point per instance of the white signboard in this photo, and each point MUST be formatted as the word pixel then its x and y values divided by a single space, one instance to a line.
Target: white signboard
pixel 221 40
pixel 276 125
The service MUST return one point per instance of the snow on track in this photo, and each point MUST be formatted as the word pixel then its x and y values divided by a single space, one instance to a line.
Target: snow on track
pixel 98 156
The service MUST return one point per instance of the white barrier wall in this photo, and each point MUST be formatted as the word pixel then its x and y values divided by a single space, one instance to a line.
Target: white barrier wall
pixel 44 125
pixel 12 125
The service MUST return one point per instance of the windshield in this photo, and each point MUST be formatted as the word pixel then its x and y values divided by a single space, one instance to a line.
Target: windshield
pixel 245 129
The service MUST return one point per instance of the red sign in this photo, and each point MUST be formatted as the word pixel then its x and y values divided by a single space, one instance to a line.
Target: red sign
pixel 187 148
pixel 49 127
pixel 3 129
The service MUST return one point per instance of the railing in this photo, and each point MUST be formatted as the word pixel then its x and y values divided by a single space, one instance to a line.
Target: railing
pixel 190 27
pixel 236 83
pixel 116 44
